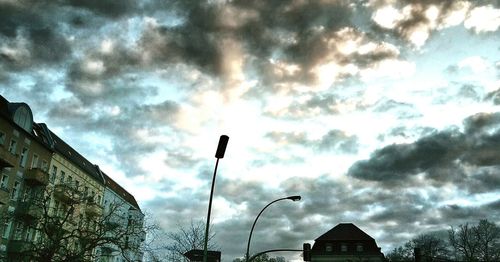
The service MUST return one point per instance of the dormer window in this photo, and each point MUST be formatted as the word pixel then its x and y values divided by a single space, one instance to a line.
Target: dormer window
pixel 23 118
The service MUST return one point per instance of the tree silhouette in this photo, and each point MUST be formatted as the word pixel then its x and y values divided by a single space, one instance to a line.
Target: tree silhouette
pixel 476 243
pixel 58 223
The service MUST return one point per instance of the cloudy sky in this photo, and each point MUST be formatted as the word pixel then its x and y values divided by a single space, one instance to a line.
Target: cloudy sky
pixel 382 113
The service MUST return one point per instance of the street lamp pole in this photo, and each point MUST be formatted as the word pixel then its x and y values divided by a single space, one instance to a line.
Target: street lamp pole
pixel 293 198
pixel 221 149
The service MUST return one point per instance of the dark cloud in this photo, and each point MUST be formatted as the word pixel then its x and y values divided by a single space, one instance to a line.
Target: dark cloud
pixel 108 8
pixel 33 35
pixel 494 96
pixel 480 123
pixel 397 161
pixel 440 156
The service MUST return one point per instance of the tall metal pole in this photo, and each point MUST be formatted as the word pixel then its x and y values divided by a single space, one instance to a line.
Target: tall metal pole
pixel 221 149
pixel 293 198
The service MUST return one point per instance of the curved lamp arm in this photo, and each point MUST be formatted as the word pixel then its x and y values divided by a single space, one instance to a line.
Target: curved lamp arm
pixel 293 198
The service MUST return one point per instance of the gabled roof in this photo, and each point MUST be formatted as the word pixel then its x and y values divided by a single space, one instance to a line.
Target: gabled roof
pixel 345 231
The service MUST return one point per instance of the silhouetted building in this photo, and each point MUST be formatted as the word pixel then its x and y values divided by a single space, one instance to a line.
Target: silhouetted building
pixel 346 242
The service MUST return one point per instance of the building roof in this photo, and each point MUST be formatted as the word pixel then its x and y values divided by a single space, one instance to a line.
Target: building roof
pixel 119 190
pixel 345 231
pixel 74 157
pixel 7 110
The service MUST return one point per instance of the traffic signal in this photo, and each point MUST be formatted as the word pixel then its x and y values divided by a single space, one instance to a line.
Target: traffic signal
pixel 306 255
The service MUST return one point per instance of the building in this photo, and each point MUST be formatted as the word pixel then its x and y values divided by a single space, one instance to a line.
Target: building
pixel 346 242
pixel 44 183
pixel 121 209
pixel 24 161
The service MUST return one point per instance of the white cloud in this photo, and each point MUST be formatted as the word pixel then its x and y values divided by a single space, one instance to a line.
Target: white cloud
pixel 483 19
pixel 457 15
pixel 387 17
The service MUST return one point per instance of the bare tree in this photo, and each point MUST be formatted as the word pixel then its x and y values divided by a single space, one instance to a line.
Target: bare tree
pixel 488 235
pixel 476 243
pixel 431 246
pixel 262 258
pixel 463 242
pixel 60 224
pixel 401 253
pixel 171 246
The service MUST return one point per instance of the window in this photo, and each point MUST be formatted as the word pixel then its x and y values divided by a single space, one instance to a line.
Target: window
pixel 85 191
pixel 77 184
pixel 56 207
pixel 6 229
pixel 45 165
pixel 328 247
pixel 29 234
pixel 4 182
pixel 15 190
pixel 69 180
pixel 54 174
pixel 359 247
pixel 22 118
pixel 2 138
pixel 24 157
pixel 343 247
pixel 61 178
pixel 34 161
pixel 12 146
pixel 98 200
pixel 18 231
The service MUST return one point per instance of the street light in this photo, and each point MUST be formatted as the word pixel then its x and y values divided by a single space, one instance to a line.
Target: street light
pixel 293 198
pixel 221 149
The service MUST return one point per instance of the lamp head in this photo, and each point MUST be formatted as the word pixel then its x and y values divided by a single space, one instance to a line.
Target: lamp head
pixel 221 147
pixel 294 198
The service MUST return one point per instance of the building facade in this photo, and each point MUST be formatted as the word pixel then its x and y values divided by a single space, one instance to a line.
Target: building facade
pixel 48 189
pixel 346 243
pixel 24 161
pixel 121 209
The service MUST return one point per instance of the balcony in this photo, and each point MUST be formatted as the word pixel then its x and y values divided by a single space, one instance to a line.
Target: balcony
pixel 4 196
pixel 18 246
pixel 66 193
pixel 28 211
pixel 93 209
pixel 36 176
pixel 7 159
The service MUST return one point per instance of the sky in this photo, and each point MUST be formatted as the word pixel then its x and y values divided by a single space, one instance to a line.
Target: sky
pixel 381 113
